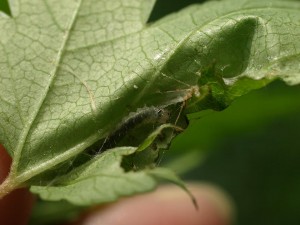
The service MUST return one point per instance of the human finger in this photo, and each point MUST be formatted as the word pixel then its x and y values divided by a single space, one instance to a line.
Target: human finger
pixel 15 207
pixel 168 205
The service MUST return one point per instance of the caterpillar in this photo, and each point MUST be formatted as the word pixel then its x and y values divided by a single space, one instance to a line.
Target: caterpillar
pixel 147 115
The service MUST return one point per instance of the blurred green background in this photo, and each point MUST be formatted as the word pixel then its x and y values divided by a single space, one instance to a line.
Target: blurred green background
pixel 251 150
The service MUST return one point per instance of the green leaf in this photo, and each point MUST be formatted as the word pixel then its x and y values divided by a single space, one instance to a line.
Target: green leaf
pixel 102 179
pixel 151 138
pixel 56 84
pixel 73 71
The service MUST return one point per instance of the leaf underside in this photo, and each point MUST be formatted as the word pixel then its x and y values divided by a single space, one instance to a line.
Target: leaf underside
pixel 73 71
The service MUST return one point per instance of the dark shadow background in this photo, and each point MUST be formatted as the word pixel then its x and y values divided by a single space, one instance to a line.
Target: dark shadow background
pixel 165 7
pixel 4 6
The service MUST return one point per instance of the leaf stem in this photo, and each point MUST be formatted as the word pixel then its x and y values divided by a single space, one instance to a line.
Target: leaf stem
pixel 7 186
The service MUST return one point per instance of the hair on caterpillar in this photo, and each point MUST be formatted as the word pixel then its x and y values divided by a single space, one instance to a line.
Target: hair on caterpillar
pixel 143 116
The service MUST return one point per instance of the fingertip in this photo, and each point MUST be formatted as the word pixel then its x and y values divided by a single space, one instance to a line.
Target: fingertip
pixel 15 207
pixel 5 161
pixel 168 205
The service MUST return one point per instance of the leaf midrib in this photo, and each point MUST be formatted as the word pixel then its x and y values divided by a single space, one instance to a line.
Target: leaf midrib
pixel 53 74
